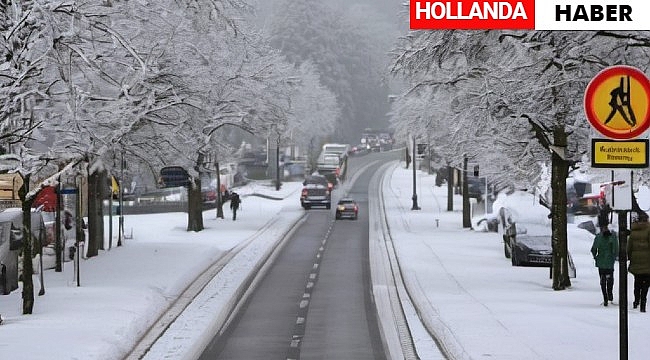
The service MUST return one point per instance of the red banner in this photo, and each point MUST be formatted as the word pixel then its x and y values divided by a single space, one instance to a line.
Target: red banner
pixel 47 198
pixel 471 14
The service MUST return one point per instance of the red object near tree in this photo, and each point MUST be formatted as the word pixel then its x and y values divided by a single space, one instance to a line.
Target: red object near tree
pixel 46 198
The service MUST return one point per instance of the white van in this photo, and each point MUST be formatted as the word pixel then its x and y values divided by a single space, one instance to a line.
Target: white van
pixel 11 243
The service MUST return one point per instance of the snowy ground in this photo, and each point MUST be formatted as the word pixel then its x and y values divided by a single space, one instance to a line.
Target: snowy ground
pixel 476 302
pixel 125 289
pixel 483 307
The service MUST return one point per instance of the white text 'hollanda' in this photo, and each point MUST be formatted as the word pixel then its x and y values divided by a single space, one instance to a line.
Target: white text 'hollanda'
pixel 479 10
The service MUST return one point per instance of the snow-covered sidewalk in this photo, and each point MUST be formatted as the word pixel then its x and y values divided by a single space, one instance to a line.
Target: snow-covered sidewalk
pixel 479 305
pixel 124 290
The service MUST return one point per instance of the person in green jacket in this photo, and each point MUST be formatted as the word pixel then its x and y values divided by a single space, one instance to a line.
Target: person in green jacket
pixel 638 250
pixel 605 252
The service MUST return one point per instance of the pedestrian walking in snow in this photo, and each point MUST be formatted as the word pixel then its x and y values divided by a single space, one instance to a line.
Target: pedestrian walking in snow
pixel 3 279
pixel 408 158
pixel 605 252
pixel 235 202
pixel 638 251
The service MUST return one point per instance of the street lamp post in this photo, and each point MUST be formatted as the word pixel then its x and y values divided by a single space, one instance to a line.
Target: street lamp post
pixel 120 228
pixel 277 164
pixel 623 233
pixel 467 222
pixel 415 194
pixel 58 245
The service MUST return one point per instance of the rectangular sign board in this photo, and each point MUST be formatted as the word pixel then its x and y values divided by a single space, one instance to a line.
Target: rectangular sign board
pixel 618 192
pixel 68 191
pixel 174 176
pixel 606 153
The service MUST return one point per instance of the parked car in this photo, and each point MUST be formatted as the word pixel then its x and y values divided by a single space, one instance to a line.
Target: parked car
pixel 526 244
pixel 347 207
pixel 507 229
pixel 531 249
pixel 295 169
pixel 11 244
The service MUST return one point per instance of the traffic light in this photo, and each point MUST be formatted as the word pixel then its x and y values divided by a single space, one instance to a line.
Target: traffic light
pixel 476 170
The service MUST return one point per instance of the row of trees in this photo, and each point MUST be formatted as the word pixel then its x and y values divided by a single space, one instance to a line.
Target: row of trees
pixel 159 82
pixel 348 56
pixel 511 101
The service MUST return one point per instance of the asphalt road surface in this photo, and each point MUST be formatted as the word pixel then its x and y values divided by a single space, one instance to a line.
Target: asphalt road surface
pixel 314 302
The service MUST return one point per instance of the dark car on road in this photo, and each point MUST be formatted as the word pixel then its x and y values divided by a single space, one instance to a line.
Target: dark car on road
pixel 316 191
pixel 347 208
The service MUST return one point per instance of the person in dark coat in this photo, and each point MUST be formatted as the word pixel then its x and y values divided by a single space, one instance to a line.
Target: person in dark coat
pixel 235 201
pixel 605 253
pixel 638 250
pixel 408 158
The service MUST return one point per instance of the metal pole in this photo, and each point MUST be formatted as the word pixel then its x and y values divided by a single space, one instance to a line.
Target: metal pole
pixel 622 283
pixel 415 195
pixel 120 229
pixel 277 164
pixel 486 199
pixel 110 217
pixel 58 248
pixel 80 231
pixel 467 221
pixel 41 292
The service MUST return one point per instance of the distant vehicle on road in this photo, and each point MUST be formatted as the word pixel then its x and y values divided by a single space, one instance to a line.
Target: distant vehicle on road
pixel 347 207
pixel 372 142
pixel 329 163
pixel 386 141
pixel 342 150
pixel 377 140
pixel 360 149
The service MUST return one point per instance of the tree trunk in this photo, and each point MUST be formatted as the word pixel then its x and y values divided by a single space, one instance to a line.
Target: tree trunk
pixel 467 221
pixel 450 188
pixel 195 200
pixel 96 191
pixel 219 193
pixel 28 283
pixel 195 206
pixel 559 173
